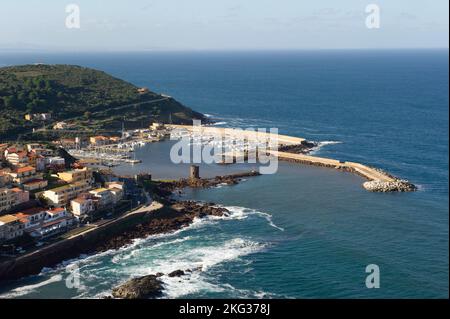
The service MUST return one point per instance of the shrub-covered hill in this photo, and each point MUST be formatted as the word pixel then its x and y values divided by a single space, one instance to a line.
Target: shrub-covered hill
pixel 88 98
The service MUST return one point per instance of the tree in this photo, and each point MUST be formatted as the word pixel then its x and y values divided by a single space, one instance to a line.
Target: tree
pixel 10 101
pixel 87 115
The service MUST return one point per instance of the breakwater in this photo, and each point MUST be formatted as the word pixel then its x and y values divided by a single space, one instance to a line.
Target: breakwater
pixel 377 180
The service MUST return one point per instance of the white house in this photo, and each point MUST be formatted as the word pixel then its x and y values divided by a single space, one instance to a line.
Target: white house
pixel 55 221
pixel 82 206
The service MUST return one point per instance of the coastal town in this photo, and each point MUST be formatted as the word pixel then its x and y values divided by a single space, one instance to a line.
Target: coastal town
pixel 46 193
pixel 52 188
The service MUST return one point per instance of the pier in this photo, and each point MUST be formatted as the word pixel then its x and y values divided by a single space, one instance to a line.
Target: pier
pixel 235 133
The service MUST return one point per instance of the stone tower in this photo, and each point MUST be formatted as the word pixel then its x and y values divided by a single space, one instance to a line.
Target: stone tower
pixel 194 172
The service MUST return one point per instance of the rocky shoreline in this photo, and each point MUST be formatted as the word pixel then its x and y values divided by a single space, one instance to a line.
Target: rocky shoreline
pixel 231 179
pixel 304 148
pixel 178 215
pixel 181 214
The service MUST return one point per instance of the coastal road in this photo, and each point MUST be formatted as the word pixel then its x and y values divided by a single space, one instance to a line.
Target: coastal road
pixel 116 108
pixel 154 206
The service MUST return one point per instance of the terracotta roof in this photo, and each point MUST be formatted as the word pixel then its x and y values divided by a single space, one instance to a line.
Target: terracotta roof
pixel 32 211
pixel 24 169
pixel 20 154
pixel 34 181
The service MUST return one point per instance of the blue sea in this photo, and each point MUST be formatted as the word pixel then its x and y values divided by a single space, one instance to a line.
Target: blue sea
pixel 304 232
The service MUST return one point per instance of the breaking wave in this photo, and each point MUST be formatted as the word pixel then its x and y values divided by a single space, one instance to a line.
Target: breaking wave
pixel 319 146
pixel 194 249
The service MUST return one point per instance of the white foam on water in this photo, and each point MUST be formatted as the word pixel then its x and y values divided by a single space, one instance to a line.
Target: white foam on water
pixel 25 290
pixel 177 287
pixel 200 260
pixel 420 187
pixel 250 294
pixel 220 123
pixel 322 144
pixel 134 253
pixel 242 213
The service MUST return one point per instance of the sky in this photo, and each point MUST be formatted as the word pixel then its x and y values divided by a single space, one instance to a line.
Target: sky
pixel 140 25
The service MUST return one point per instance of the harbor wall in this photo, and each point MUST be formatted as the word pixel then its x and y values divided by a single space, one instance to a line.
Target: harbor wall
pixel 377 180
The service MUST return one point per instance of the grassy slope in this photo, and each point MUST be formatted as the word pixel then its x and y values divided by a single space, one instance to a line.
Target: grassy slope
pixel 90 98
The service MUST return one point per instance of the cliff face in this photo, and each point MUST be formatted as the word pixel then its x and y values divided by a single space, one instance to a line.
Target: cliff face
pixel 87 98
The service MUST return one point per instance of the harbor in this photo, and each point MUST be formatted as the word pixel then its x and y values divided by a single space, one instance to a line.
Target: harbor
pixel 122 150
pixel 377 180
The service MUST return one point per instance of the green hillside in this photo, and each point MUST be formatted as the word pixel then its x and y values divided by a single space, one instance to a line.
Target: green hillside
pixel 87 98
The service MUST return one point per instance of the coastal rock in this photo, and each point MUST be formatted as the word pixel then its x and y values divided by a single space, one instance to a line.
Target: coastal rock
pixel 139 288
pixel 177 273
pixel 304 148
pixel 394 186
pixel 232 179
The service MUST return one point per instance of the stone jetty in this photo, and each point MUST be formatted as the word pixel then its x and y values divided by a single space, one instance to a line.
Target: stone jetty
pixel 294 149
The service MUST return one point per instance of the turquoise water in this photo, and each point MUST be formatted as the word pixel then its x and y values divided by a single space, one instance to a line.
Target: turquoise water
pixel 304 232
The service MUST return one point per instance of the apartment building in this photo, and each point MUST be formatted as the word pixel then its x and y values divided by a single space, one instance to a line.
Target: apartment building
pixel 19 158
pixel 20 196
pixel 31 218
pixel 82 206
pixel 41 222
pixel 117 194
pixel 55 221
pixel 10 228
pixel 7 199
pixel 3 147
pixel 37 161
pixel 62 195
pixel 35 184
pixel 55 162
pixel 77 175
pixel 10 197
pixel 5 178
pixel 21 175
pixel 104 197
